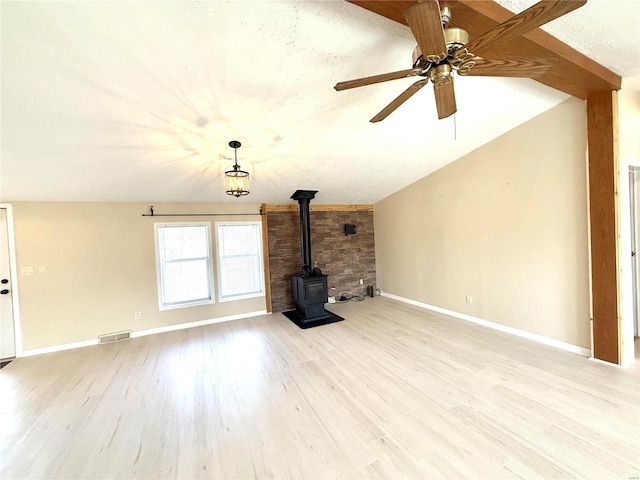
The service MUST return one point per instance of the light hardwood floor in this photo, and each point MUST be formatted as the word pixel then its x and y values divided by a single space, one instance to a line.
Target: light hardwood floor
pixel 392 392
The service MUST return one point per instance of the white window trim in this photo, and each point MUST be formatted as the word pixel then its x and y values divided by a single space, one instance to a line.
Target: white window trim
pixel 260 263
pixel 159 277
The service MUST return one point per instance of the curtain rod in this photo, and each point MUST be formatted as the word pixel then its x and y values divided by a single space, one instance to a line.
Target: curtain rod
pixel 153 214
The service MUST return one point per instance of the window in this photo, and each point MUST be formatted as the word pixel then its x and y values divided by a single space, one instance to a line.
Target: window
pixel 239 260
pixel 184 264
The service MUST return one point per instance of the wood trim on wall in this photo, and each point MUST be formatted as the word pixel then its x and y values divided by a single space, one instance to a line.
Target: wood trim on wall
pixel 602 132
pixel 286 207
pixel 265 258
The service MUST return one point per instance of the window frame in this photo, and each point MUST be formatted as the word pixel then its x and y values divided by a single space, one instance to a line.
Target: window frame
pixel 260 262
pixel 160 264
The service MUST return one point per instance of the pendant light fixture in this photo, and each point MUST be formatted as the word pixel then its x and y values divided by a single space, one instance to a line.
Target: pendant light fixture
pixel 236 181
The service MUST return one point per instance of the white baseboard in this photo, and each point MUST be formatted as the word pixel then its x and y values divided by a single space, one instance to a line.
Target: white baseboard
pixel 56 348
pixel 141 333
pixel 201 323
pixel 496 326
pixel 609 364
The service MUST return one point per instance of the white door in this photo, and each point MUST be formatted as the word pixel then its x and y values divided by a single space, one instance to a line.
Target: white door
pixel 7 325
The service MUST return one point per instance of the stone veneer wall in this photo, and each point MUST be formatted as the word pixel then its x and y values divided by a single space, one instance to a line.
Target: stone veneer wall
pixel 345 259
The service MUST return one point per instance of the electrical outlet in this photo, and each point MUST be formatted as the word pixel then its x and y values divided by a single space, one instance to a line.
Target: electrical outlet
pixel 27 271
pixel 137 315
pixel 42 269
pixel 361 281
pixel 469 299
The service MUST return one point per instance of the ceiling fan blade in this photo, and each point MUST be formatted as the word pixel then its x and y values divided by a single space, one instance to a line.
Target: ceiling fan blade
pixel 445 98
pixel 399 100
pixel 425 23
pixel 515 67
pixel 361 82
pixel 534 16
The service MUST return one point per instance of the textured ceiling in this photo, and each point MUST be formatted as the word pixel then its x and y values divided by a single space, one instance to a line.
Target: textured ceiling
pixel 137 101
pixel 605 30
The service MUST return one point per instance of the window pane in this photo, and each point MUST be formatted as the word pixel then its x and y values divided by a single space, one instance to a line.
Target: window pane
pixel 240 276
pixel 184 264
pixel 186 281
pixel 240 260
pixel 184 242
pixel 239 240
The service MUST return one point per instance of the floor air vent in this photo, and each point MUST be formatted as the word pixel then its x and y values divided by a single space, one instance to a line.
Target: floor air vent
pixel 114 337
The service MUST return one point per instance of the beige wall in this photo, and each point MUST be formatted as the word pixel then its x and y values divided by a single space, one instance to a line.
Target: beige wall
pixel 629 125
pixel 100 269
pixel 629 141
pixel 506 224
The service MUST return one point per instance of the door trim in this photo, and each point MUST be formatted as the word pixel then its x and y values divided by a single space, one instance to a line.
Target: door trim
pixel 634 217
pixel 13 269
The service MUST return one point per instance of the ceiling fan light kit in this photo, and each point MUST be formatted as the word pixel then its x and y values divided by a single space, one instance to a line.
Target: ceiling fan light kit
pixel 236 181
pixel 442 50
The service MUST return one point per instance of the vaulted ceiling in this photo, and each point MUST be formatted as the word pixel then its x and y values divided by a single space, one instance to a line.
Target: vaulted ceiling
pixel 137 101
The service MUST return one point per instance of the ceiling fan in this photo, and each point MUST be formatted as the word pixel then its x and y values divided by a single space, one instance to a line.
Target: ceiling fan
pixel 443 50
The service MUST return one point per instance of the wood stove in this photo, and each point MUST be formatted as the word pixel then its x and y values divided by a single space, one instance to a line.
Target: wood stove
pixel 309 287
pixel 310 294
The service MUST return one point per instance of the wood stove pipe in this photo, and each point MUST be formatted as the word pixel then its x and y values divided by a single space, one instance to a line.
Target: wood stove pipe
pixel 304 197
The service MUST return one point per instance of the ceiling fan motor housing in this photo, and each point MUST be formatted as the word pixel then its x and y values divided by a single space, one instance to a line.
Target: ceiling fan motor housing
pixel 455 38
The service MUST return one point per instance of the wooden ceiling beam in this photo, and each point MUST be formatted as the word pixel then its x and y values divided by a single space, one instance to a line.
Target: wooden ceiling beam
pixel 575 73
